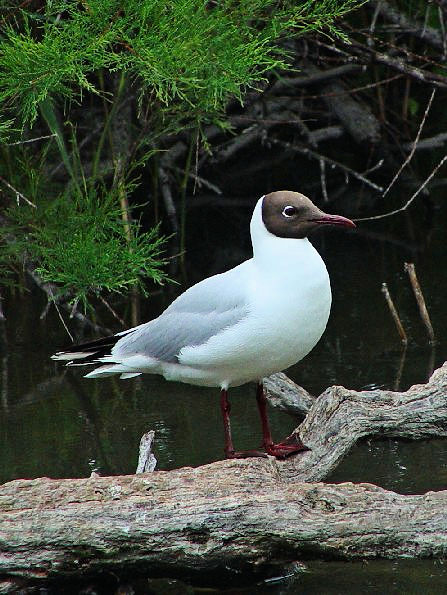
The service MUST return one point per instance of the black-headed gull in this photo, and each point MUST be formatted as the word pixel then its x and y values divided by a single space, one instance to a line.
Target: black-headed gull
pixel 243 325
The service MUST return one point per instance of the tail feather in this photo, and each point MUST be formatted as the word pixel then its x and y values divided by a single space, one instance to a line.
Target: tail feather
pixel 99 351
pixel 87 353
pixel 111 370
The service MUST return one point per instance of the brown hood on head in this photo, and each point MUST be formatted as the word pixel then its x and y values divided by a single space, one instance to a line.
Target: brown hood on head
pixel 289 214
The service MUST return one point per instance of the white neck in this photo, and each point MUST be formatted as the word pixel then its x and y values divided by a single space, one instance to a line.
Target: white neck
pixel 272 251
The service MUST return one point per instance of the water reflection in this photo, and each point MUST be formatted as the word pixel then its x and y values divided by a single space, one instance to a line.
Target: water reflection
pixel 376 577
pixel 55 423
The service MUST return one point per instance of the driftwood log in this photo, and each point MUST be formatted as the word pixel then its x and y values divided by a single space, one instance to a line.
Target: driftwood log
pixel 241 514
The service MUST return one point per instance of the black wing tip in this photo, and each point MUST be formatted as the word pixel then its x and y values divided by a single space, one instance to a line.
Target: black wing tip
pixel 90 345
pixel 92 350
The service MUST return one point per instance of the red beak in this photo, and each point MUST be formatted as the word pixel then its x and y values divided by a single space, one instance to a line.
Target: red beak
pixel 334 220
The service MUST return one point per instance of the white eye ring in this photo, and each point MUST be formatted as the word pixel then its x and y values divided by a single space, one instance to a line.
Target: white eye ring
pixel 289 211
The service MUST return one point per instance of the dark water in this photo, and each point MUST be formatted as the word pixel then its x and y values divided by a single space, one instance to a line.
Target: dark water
pixel 55 423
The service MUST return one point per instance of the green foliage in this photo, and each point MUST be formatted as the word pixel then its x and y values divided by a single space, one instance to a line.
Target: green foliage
pixel 6 128
pixel 81 244
pixel 183 59
pixel 191 54
pixel 48 59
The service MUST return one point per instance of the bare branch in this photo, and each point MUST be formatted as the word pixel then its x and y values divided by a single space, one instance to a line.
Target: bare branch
pixel 394 314
pixel 433 142
pixel 410 200
pixel 421 31
pixel 168 199
pixel 112 311
pixel 50 290
pixel 318 157
pixel 290 83
pixel 411 270
pixel 283 393
pixel 18 194
pixel 430 78
pixel 30 140
pixel 198 180
pixel 323 180
pixel 410 156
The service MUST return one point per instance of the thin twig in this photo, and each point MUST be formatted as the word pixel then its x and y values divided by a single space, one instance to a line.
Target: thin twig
pixel 45 311
pixel 112 311
pixel 400 369
pixel 318 156
pixel 198 180
pixel 410 200
pixel 354 89
pixel 315 78
pixel 168 199
pixel 17 193
pixel 372 27
pixel 48 289
pixel 171 212
pixel 196 166
pixel 378 165
pixel 423 76
pixel 74 307
pixel 2 314
pixel 394 314
pixel 303 128
pixel 443 32
pixel 396 50
pixel 30 140
pixel 60 315
pixel 81 144
pixel 410 269
pixel 410 156
pixel 323 180
pixel 431 362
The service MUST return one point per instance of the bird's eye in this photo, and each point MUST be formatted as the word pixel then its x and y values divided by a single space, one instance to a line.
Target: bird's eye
pixel 289 211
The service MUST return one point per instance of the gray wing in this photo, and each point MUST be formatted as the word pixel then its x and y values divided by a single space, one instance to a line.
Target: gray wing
pixel 201 312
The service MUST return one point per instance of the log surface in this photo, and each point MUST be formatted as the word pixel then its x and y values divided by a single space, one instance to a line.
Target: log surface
pixel 340 417
pixel 230 514
pixel 252 513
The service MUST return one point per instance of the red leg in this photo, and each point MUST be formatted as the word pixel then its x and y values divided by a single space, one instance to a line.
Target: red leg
pixel 290 445
pixel 230 453
pixel 267 439
pixel 225 408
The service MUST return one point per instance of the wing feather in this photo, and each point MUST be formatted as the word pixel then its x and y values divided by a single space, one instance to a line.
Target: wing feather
pixel 203 311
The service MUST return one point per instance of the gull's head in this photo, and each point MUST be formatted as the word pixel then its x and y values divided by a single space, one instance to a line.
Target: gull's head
pixel 287 214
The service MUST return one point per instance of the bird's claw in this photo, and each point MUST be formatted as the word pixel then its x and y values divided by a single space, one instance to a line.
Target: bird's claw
pixel 244 454
pixel 289 446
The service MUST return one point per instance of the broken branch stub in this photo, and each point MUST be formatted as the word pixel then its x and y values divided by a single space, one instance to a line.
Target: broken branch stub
pixel 146 459
pixel 340 417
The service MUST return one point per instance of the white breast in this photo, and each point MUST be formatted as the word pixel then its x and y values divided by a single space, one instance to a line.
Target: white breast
pixel 290 297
